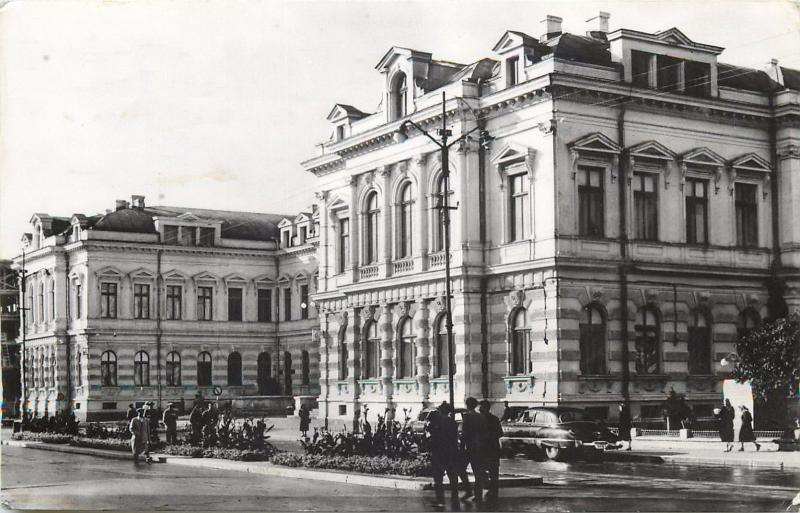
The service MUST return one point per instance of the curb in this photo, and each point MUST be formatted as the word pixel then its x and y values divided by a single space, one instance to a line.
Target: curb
pixel 85 451
pixel 623 457
pixel 395 482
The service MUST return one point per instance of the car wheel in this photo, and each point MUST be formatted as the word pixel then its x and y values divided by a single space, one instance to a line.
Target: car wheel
pixel 555 453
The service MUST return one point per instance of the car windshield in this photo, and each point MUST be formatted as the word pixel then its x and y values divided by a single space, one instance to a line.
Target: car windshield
pixel 570 416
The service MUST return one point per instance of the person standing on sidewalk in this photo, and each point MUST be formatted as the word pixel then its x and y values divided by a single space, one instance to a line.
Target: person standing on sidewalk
pixel 305 420
pixel 725 417
pixel 443 439
pixel 472 443
pixel 131 413
pixel 140 435
pixel 170 420
pixel 491 449
pixel 746 431
pixel 625 424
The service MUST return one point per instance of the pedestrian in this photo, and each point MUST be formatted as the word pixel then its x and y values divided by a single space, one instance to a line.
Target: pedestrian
pixel 491 449
pixel 625 424
pixel 170 419
pixel 196 421
pixel 746 431
pixel 725 419
pixel 140 435
pixel 305 419
pixel 131 413
pixel 508 413
pixel 474 433
pixel 443 440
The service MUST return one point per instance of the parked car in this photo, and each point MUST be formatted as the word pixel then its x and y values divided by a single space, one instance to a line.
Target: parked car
pixel 557 433
pixel 418 424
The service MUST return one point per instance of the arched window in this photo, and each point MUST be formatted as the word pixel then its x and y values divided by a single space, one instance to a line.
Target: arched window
pixel 305 367
pixel 265 374
pixel 647 342
pixel 51 370
pixel 234 369
pixel 748 321
pixel 699 343
pixel 108 369
pixel 371 213
pixel 204 369
pixel 372 352
pixel 406 352
pixel 173 369
pixel 399 94
pixel 51 299
pixel 593 341
pixel 141 369
pixel 442 367
pixel 405 233
pixel 40 304
pixel 78 368
pixel 343 354
pixel 520 344
pixel 438 200
pixel 287 373
pixel 29 306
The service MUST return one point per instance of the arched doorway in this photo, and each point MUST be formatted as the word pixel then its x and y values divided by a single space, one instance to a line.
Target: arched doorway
pixel 265 374
pixel 287 373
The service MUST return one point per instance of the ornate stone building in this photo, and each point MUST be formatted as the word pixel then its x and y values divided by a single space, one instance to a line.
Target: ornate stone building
pixel 610 242
pixel 158 303
pixel 9 328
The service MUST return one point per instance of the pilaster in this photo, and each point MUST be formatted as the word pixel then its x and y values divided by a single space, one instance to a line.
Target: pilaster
pixel 422 330
pixel 387 352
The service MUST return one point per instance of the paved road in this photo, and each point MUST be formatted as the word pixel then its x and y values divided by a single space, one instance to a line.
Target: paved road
pixel 34 479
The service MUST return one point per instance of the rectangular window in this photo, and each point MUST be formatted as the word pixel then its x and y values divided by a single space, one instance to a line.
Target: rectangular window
pixel 52 302
pixel 108 300
pixel 669 73
pixel 592 348
pixel 591 212
pixel 287 304
pixel 746 215
pixel 285 239
pixel 520 207
pixel 640 68
pixel 174 302
pixel 234 304
pixel 188 236
pixel 699 350
pixel 697 79
pixel 340 132
pixel 344 244
pixel 205 297
pixel 696 211
pixel 303 232
pixel 264 305
pixel 141 301
pixel 78 301
pixel 512 71
pixel 206 237
pixel 170 235
pixel 645 206
pixel 304 301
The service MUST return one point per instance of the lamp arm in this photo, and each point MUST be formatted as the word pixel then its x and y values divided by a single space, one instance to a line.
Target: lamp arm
pixel 424 132
pixel 463 136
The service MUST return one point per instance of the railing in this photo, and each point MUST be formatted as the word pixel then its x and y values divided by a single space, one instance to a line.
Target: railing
pixel 369 271
pixel 436 260
pixel 403 266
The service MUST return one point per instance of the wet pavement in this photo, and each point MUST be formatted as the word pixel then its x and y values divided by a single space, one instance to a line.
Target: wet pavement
pixel 33 479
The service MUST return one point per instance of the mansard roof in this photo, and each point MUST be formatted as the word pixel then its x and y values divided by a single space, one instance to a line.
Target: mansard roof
pixel 745 78
pixel 570 47
pixel 126 220
pixel 791 78
pixel 235 225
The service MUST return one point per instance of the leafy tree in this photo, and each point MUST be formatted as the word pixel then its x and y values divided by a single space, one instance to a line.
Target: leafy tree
pixel 770 358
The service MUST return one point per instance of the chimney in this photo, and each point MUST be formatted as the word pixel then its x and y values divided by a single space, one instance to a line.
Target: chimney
pixel 552 27
pixel 121 204
pixel 600 28
pixel 774 71
pixel 137 201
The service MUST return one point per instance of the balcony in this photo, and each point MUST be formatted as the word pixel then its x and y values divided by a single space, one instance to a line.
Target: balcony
pixel 403 266
pixel 369 271
pixel 436 260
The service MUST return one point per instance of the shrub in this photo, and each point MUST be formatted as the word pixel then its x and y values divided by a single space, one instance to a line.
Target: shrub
pixel 108 444
pixel 61 423
pixel 417 466
pixel 119 431
pixel 217 452
pixel 48 438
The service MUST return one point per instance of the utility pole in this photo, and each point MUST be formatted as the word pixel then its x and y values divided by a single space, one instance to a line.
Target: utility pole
pixel 23 321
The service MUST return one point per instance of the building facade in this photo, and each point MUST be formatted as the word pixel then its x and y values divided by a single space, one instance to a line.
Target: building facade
pixel 159 303
pixel 616 225
pixel 9 329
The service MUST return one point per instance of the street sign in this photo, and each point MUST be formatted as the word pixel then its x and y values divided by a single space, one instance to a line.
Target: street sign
pixel 217 390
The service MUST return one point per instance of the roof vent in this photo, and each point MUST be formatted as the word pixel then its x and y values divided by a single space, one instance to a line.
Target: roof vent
pixel 137 201
pixel 600 26
pixel 552 27
pixel 122 204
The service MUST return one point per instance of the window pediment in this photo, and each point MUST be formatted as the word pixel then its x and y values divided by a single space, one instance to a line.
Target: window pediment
pixel 595 143
pixel 513 153
pixel 703 157
pixel 750 163
pixel 174 275
pixel 109 273
pixel 141 274
pixel 204 277
pixel 651 150
pixel 285 223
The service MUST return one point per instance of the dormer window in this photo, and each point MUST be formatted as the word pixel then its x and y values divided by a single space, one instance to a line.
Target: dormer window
pixel 285 238
pixel 340 132
pixel 303 234
pixel 170 234
pixel 399 96
pixel 206 237
pixel 512 73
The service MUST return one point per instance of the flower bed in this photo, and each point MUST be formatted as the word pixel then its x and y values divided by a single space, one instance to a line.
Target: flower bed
pixel 98 443
pixel 49 438
pixel 216 452
pixel 418 466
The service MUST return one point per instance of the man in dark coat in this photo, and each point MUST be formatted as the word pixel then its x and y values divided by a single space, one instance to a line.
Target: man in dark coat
pixel 491 449
pixel 170 419
pixel 443 438
pixel 625 424
pixel 474 433
pixel 131 413
pixel 196 421
pixel 305 419
pixel 508 413
pixel 725 417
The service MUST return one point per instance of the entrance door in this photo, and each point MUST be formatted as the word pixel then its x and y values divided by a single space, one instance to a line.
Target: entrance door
pixel 264 373
pixel 287 373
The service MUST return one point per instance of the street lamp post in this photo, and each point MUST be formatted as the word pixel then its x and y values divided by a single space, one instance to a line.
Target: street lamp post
pixel 444 147
pixel 23 400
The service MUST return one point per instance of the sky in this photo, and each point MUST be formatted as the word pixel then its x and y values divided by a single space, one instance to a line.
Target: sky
pixel 214 103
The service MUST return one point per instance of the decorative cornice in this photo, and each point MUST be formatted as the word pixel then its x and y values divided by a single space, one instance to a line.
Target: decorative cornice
pixel 789 151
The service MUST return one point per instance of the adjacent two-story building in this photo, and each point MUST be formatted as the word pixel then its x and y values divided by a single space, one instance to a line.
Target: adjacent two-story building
pixel 159 303
pixel 615 229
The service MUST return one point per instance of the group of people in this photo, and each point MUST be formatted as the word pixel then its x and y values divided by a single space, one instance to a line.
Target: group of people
pixel 725 417
pixel 143 423
pixel 478 447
